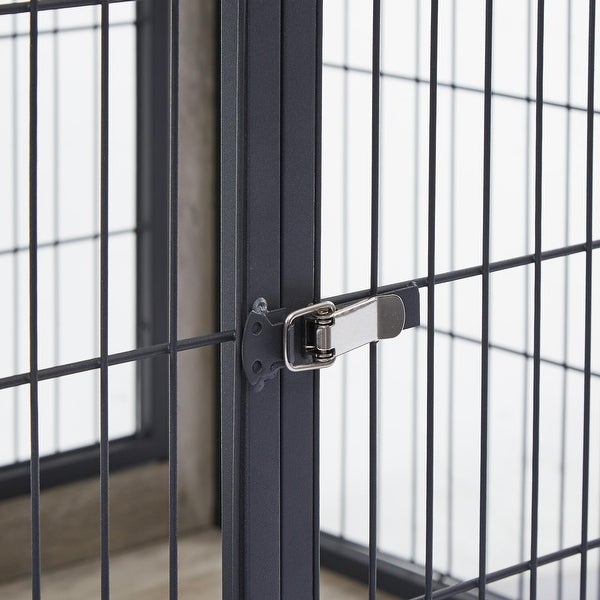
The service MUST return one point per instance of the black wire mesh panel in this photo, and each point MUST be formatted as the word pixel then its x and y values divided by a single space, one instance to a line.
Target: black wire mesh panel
pixel 472 155
pixel 31 26
pixel 68 234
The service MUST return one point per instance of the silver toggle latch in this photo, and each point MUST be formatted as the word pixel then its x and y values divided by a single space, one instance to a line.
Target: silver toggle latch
pixel 330 332
pixel 312 337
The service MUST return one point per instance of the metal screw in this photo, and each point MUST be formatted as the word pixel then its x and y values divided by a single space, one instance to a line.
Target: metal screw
pixel 260 305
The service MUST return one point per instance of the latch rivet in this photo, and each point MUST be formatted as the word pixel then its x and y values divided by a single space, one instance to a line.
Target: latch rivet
pixel 260 305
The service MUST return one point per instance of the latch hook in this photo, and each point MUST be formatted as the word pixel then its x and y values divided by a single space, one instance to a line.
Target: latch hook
pixel 330 332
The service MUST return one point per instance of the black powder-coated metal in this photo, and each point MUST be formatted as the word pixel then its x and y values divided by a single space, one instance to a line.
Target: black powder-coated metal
pixel 299 574
pixel 25 7
pixel 119 358
pixel 485 300
pixel 458 87
pixel 260 493
pixel 104 445
pixel 406 579
pixel 589 207
pixel 270 91
pixel 34 462
pixel 55 32
pixel 431 298
pixel 232 76
pixel 399 577
pixel 374 275
pixel 525 431
pixel 173 292
pixel 537 301
pixel 250 120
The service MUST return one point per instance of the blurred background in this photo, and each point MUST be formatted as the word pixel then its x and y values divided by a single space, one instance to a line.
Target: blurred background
pixel 403 257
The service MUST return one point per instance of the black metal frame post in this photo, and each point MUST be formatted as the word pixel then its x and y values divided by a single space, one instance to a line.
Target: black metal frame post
pixel 301 77
pixel 269 114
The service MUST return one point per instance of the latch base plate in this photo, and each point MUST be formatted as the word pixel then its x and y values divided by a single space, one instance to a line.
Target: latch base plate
pixel 312 337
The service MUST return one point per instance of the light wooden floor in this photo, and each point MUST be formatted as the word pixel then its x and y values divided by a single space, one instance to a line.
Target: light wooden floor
pixel 141 574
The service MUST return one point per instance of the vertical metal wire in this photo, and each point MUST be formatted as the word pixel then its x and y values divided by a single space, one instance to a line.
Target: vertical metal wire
pixel 431 298
pixel 588 299
pixel 565 331
pixel 36 565
pixel 173 289
pixel 104 444
pixel 373 371
pixel 485 297
pixel 415 398
pixel 15 227
pixel 537 298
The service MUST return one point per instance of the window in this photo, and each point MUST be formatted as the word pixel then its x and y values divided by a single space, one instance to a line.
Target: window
pixel 68 237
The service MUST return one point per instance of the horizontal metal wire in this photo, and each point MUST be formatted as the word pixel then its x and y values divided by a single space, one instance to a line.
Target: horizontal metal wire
pixel 457 86
pixel 24 7
pixel 510 263
pixel 468 272
pixel 509 350
pixel 66 29
pixel 70 240
pixel 516 569
pixel 211 339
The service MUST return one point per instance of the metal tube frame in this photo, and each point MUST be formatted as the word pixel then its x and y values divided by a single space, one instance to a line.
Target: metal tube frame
pixel 270 107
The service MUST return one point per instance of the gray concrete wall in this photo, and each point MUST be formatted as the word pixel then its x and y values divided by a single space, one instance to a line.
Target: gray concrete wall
pixel 198 259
